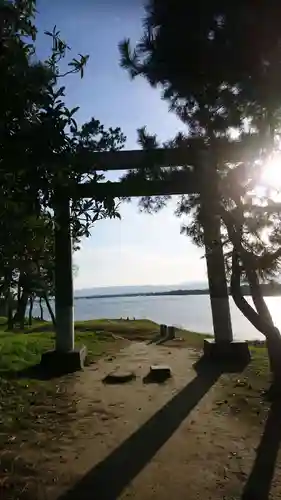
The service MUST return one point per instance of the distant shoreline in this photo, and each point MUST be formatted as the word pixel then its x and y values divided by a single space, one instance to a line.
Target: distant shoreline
pixel 268 291
pixel 143 294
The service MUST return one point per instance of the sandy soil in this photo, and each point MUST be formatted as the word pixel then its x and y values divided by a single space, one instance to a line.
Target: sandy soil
pixel 149 441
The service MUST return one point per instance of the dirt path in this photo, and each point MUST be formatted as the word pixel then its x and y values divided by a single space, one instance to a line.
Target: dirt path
pixel 149 441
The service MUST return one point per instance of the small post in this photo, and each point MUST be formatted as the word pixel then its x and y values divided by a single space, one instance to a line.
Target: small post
pixel 163 331
pixel 63 277
pixel 214 253
pixel 171 332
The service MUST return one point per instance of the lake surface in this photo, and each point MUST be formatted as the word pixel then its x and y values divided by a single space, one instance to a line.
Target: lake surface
pixel 190 311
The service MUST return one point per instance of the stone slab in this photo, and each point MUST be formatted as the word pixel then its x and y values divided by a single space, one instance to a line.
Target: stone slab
pixel 119 377
pixel 59 363
pixel 159 373
pixel 236 350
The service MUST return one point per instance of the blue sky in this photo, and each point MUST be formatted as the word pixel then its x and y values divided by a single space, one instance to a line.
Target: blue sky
pixel 141 248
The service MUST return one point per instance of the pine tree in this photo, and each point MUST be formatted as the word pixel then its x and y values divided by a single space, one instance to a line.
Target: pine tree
pixel 218 65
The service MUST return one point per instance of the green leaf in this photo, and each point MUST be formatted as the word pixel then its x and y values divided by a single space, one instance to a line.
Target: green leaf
pixel 74 110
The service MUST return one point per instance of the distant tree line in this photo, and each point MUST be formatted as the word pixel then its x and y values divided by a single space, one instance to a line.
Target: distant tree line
pixel 268 289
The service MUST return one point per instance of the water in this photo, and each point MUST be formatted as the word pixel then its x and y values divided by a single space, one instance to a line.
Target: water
pixel 190 311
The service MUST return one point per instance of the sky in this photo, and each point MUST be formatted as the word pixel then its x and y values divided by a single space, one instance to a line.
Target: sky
pixel 140 249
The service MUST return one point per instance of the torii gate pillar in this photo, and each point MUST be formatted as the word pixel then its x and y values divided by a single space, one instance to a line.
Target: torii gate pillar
pixel 65 358
pixel 223 346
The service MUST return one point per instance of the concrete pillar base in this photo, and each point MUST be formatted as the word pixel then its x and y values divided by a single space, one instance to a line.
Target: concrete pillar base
pixel 227 351
pixel 59 363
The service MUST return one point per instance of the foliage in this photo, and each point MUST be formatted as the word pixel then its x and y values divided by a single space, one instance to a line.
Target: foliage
pixel 42 152
pixel 210 71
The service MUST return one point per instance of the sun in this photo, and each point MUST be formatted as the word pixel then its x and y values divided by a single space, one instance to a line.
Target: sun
pixel 271 172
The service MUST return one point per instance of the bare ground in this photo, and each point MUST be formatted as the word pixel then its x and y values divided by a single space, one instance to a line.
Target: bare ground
pixel 180 439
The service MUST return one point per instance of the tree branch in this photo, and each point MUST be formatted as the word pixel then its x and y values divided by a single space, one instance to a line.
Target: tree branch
pixel 240 301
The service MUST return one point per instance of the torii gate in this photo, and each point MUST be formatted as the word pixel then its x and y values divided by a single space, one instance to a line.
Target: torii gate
pixel 201 179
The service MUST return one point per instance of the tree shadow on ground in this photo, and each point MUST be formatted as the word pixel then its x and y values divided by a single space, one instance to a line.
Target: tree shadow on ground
pixel 108 479
pixel 260 479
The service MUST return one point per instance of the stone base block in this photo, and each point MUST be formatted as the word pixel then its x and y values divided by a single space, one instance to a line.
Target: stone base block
pixel 227 351
pixel 59 363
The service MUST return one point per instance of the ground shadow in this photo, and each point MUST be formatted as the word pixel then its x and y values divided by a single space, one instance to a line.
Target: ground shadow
pixel 154 339
pixel 259 482
pixel 150 379
pixel 119 378
pixel 108 479
pixel 35 372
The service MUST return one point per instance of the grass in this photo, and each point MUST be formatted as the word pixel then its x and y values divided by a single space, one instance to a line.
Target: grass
pixel 245 395
pixel 19 351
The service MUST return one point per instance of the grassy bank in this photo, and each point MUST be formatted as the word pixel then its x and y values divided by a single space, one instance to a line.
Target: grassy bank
pixel 19 351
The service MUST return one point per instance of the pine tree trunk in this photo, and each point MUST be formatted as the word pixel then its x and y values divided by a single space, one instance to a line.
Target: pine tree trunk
pixel 41 309
pixel 261 318
pixel 21 310
pixel 19 291
pixel 10 318
pixel 10 304
pixel 30 310
pixel 50 310
pixel 273 334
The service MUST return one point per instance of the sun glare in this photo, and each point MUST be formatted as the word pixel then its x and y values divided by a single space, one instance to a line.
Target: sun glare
pixel 271 174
